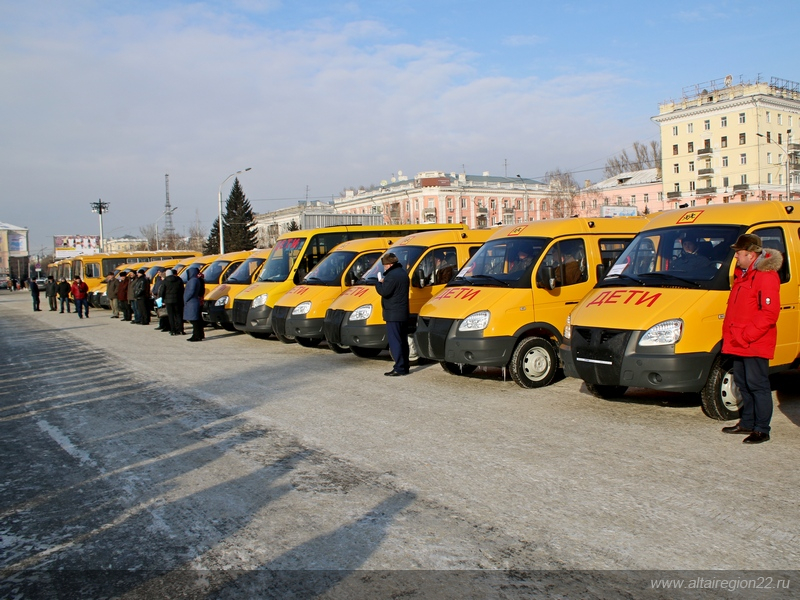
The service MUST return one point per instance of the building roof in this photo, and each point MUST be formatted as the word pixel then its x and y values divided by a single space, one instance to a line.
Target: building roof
pixel 630 178
pixel 11 227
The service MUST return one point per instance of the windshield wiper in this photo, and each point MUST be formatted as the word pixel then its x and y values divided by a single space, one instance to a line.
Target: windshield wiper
pixel 494 279
pixel 663 275
pixel 621 276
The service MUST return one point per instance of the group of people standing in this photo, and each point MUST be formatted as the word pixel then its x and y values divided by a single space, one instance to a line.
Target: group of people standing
pixel 63 291
pixel 133 298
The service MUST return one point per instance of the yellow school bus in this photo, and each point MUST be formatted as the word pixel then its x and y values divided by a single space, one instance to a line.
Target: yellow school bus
pixel 300 313
pixel 355 319
pixel 294 255
pixel 655 321
pixel 218 304
pixel 508 305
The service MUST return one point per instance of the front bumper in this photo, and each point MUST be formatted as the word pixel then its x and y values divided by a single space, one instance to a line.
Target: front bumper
pixel 338 329
pixel 439 339
pixel 255 320
pixel 613 357
pixel 216 314
pixel 285 324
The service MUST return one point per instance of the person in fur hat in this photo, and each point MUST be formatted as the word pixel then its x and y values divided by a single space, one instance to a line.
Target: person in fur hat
pixel 749 333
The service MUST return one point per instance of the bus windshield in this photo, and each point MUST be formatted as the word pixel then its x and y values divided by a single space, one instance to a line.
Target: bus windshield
pixel 244 273
pixel 696 256
pixel 212 274
pixel 505 262
pixel 281 259
pixel 406 256
pixel 329 271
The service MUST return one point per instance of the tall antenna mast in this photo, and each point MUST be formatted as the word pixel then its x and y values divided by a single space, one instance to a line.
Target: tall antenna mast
pixel 169 229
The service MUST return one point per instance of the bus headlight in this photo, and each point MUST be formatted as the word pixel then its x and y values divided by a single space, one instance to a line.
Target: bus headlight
pixel 476 321
pixel 568 328
pixel 663 334
pixel 302 308
pixel 362 313
pixel 222 301
pixel 259 301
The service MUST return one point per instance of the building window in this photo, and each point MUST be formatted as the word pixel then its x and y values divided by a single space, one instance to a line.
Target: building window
pixel 744 178
pixel 724 182
pixel 677 187
pixel 769 117
pixel 690 128
pixel 741 118
pixel 463 202
pixel 594 203
pixel 492 204
pixel 416 203
pixel 780 178
pixel 708 163
pixel 742 139
pixel 691 186
pixel 780 138
pixel 780 119
pixel 633 199
pixel 676 168
pixel 675 149
pixel 691 166
pixel 450 204
pixel 646 198
pixel 769 136
pixel 706 124
pixel 723 142
pixel 583 204
pixel 449 219
pixel 674 130
pixel 769 158
pixel 660 196
pixel 619 200
pixel 743 159
pixel 691 147
pixel 605 201
pixel 723 122
pixel 724 161
pixel 769 177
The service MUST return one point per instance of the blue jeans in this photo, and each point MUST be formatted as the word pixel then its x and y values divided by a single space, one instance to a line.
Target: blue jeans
pixel 751 375
pixel 65 301
pixel 82 302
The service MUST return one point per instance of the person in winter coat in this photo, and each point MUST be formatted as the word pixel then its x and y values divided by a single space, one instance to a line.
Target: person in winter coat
pixel 141 293
pixel 112 285
pixel 132 276
pixel 35 295
pixel 173 300
pixel 122 296
pixel 392 286
pixel 80 293
pixel 50 291
pixel 193 304
pixel 63 294
pixel 749 333
pixel 158 302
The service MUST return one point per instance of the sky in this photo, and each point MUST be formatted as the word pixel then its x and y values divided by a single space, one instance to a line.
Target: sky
pixel 100 100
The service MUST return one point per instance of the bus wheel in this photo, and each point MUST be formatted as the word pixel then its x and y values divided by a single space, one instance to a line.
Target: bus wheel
pixel 719 396
pixel 458 369
pixel 338 349
pixel 308 342
pixel 229 327
pixel 534 363
pixel 606 392
pixel 365 352
pixel 286 339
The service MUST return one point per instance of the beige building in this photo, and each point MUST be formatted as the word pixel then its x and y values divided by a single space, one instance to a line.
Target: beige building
pixel 13 251
pixel 476 200
pixel 727 141
pixel 126 243
pixel 640 191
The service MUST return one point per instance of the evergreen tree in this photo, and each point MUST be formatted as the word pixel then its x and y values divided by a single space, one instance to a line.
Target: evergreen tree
pixel 239 222
pixel 212 242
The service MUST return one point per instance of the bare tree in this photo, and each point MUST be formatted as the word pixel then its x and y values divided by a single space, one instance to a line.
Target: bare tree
pixel 645 156
pixel 563 190
pixel 197 236
pixel 149 233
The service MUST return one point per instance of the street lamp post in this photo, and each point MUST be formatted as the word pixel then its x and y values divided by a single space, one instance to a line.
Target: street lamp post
pixel 219 201
pixel 164 214
pixel 100 207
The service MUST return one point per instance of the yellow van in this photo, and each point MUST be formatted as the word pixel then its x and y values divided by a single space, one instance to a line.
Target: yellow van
pixel 218 305
pixel 218 271
pixel 507 306
pixel 300 313
pixel 200 263
pixel 294 255
pixel 654 322
pixel 355 318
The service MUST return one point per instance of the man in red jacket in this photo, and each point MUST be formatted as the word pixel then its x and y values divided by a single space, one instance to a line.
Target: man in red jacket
pixel 80 293
pixel 749 333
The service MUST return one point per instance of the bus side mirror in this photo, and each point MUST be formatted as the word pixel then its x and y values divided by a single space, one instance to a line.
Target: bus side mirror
pixel 600 271
pixel 546 278
pixel 418 278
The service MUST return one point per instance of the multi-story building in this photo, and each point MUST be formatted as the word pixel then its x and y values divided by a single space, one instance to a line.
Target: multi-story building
pixel 13 251
pixel 639 190
pixel 476 200
pixel 126 243
pixel 729 142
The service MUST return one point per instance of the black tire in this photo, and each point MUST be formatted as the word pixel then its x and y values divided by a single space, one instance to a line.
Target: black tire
pixel 606 392
pixel 534 363
pixel 308 342
pixel 286 339
pixel 365 352
pixel 229 327
pixel 719 396
pixel 457 369
pixel 338 349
